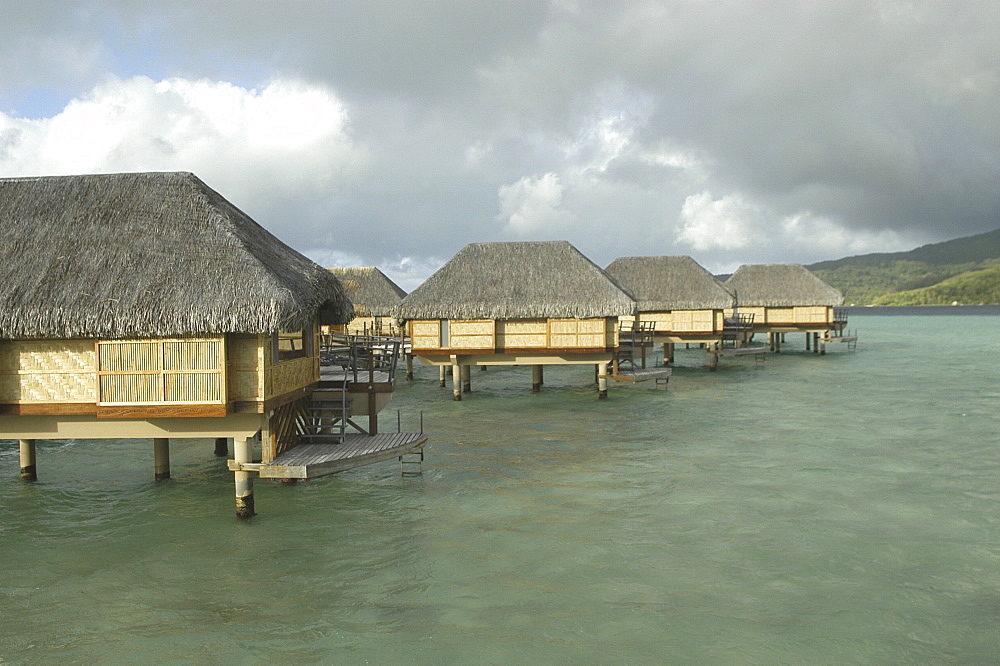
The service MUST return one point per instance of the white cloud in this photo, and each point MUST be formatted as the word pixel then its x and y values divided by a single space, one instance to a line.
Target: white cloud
pixel 825 238
pixel 260 148
pixel 531 206
pixel 729 223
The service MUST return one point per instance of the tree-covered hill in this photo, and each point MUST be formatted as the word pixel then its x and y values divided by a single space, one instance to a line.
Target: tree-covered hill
pixel 869 279
pixel 972 288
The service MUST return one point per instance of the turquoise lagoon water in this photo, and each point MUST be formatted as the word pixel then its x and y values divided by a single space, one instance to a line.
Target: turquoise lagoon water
pixel 808 509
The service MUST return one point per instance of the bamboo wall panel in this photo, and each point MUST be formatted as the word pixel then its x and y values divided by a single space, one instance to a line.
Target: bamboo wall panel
pixel 192 387
pixel 122 388
pixel 757 312
pixel 290 375
pixel 779 315
pixel 189 370
pixel 246 367
pixel 522 333
pixel 425 334
pixel 693 321
pixel 577 333
pixel 817 314
pixel 472 334
pixel 43 371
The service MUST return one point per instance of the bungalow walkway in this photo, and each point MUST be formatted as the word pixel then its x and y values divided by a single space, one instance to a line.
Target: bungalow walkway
pixel 311 461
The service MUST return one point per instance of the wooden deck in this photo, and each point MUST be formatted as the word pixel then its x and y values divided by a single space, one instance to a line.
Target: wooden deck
pixel 642 374
pixel 744 351
pixel 310 461
pixel 336 374
pixel 839 338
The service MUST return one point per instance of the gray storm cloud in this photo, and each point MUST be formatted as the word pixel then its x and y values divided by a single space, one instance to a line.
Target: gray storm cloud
pixel 732 131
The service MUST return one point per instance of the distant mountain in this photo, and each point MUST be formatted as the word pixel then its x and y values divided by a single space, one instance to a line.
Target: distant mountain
pixel 869 279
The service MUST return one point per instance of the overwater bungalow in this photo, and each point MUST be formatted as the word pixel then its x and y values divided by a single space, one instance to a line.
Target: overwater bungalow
pixel 525 303
pixel 681 302
pixel 374 297
pixel 788 298
pixel 147 306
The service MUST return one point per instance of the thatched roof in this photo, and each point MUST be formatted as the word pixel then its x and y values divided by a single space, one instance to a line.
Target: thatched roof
pixel 661 284
pixel 517 281
pixel 780 285
pixel 370 290
pixel 147 255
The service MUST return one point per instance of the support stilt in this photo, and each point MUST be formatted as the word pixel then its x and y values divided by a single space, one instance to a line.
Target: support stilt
pixel 536 378
pixel 466 379
pixel 222 447
pixel 161 456
pixel 443 375
pixel 409 366
pixel 713 356
pixel 29 470
pixel 372 415
pixel 243 452
pixel 770 341
pixel 456 382
pixel 815 343
pixel 808 335
pixel 602 381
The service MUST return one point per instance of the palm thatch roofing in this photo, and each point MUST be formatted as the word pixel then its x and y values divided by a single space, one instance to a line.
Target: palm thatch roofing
pixel 529 280
pixel 370 290
pixel 662 284
pixel 780 285
pixel 147 255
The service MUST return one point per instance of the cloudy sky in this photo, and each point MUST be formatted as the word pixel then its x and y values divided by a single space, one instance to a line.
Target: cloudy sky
pixel 393 133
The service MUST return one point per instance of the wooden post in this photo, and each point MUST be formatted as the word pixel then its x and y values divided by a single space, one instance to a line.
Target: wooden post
pixel 222 447
pixel 713 356
pixel 536 378
pixel 456 382
pixel 243 453
pixel 770 341
pixel 161 458
pixel 815 343
pixel 602 381
pixel 443 372
pixel 466 379
pixel 372 412
pixel 409 366
pixel 822 346
pixel 29 471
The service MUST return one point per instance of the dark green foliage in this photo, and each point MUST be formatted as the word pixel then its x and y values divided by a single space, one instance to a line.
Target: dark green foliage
pixel 868 279
pixel 971 288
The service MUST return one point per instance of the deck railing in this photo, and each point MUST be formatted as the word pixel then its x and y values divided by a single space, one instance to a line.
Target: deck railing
pixel 361 356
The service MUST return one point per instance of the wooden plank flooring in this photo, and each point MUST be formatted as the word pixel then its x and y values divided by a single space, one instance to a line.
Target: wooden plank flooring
pixel 641 374
pixel 309 461
pixel 329 373
pixel 743 351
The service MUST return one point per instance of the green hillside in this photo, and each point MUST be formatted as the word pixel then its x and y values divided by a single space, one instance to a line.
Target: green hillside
pixel 972 288
pixel 869 279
